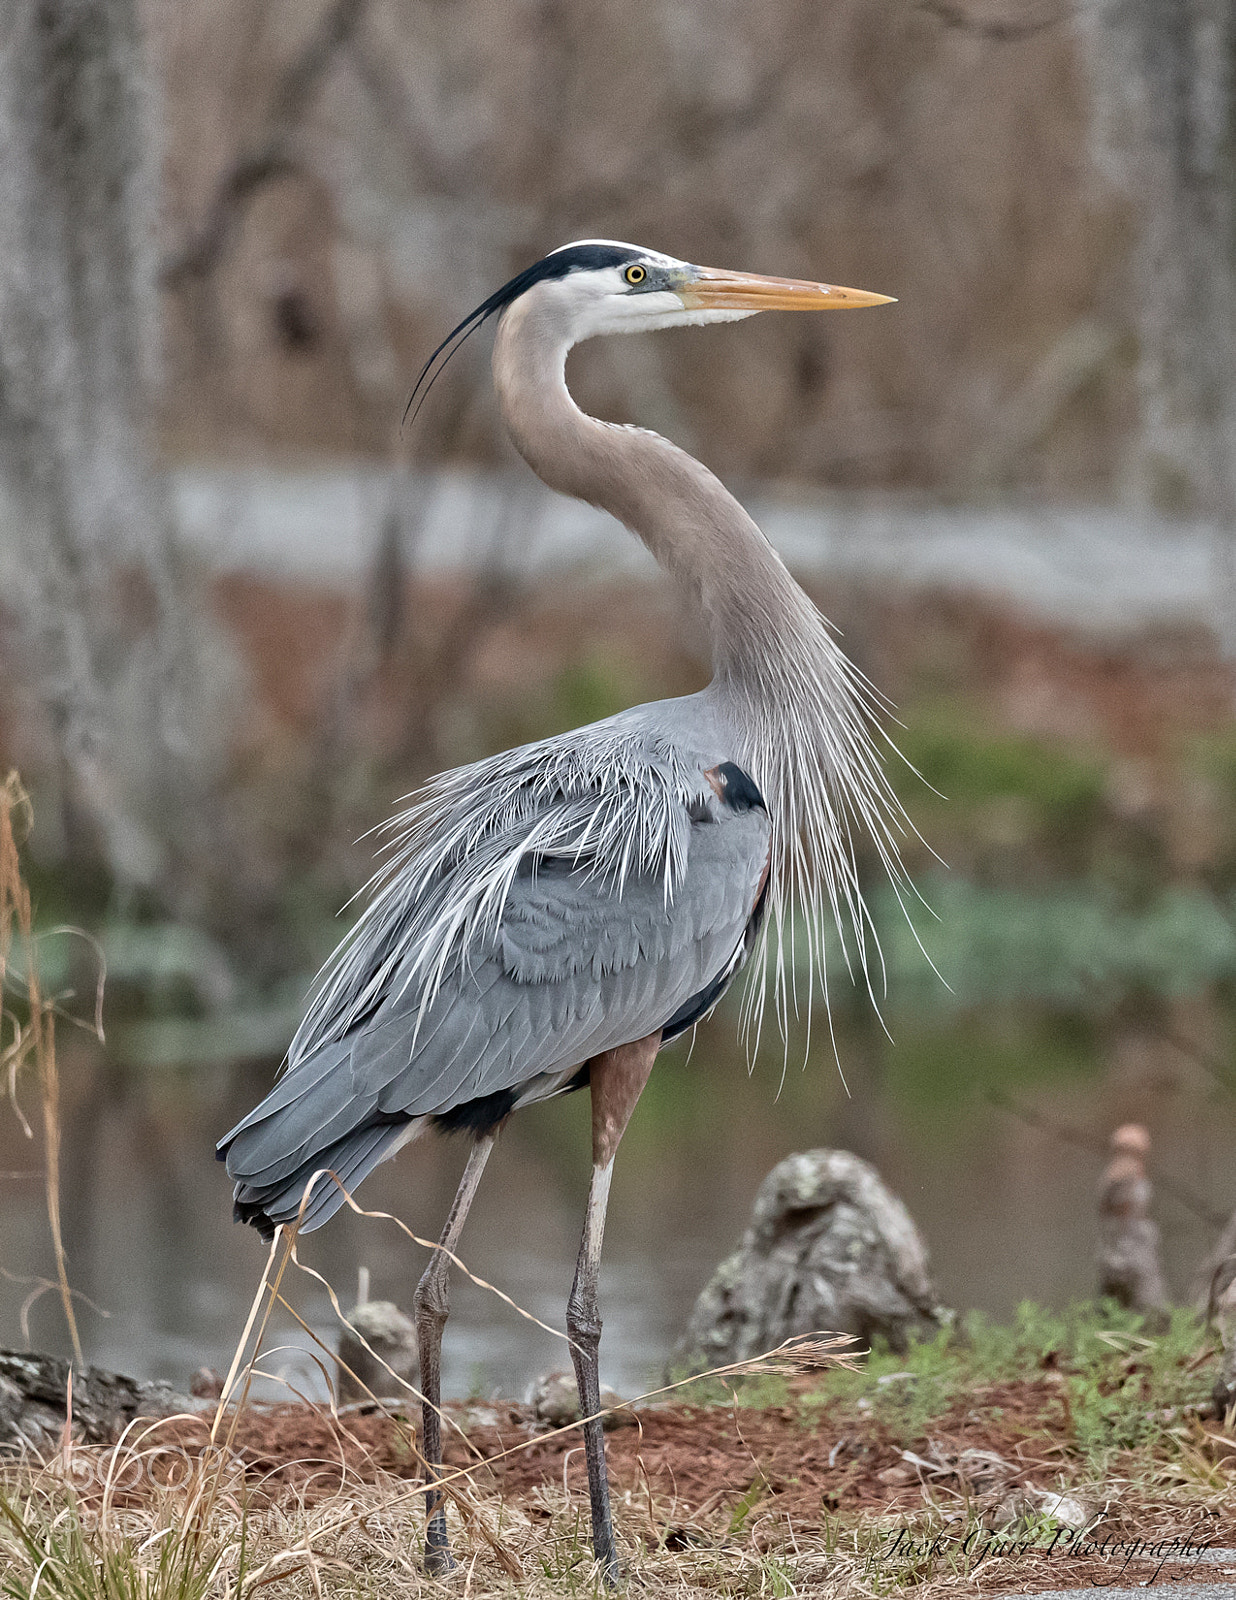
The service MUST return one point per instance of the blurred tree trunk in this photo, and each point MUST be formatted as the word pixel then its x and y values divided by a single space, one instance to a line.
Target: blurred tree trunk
pixel 109 638
pixel 1165 124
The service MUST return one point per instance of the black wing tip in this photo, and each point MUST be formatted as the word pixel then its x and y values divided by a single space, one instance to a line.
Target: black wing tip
pixel 252 1212
pixel 267 1202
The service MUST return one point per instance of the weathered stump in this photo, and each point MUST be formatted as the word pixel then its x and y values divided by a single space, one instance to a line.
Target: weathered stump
pixel 391 1336
pixel 1128 1256
pixel 828 1250
pixel 1222 1309
pixel 554 1399
pixel 34 1402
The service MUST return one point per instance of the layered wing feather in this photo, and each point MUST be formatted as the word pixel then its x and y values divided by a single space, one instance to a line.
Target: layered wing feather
pixel 513 942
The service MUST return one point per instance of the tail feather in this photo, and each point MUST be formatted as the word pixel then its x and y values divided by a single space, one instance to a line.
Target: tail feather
pixel 350 1168
pixel 311 1121
pixel 286 1143
pixel 351 1160
pixel 311 1076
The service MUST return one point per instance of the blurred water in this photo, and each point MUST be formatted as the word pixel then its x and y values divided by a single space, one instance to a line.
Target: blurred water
pixel 1006 1209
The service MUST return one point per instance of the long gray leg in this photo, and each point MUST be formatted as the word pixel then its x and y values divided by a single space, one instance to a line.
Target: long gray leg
pixel 432 1304
pixel 616 1079
pixel 583 1322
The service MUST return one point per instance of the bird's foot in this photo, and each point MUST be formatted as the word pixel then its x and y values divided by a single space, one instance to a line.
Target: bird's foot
pixel 439 1561
pixel 438 1558
pixel 612 1575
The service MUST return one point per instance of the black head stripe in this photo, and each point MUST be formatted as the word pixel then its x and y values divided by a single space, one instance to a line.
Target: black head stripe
pixel 576 258
pixel 741 792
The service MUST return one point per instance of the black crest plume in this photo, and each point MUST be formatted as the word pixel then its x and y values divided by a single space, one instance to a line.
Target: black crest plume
pixel 576 258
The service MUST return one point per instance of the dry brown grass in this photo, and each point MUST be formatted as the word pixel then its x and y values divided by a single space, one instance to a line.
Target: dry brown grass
pixel 190 1507
pixel 148 1522
pixel 30 1024
pixel 802 1487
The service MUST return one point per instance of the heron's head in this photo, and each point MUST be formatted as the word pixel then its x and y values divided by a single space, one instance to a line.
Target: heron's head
pixel 601 286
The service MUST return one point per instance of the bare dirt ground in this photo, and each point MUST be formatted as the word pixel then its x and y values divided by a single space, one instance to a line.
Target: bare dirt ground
pixel 968 1506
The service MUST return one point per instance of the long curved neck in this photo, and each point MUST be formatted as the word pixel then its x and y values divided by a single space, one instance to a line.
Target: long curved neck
pixel 688 520
pixel 801 718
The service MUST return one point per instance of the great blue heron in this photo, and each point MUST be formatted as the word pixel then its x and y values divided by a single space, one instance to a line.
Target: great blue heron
pixel 553 915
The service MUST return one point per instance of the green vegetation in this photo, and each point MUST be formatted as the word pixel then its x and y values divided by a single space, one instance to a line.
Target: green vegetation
pixel 1107 1383
pixel 79 1556
pixel 1003 807
pixel 1065 945
pixel 1061 790
pixel 1100 1381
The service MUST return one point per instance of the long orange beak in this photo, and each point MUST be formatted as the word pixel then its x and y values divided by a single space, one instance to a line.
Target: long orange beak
pixel 748 291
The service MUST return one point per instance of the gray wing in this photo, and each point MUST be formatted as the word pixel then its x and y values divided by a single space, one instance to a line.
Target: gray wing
pixel 574 968
pixel 576 964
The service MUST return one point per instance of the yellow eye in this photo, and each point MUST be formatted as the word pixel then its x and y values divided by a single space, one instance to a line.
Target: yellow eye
pixel 635 274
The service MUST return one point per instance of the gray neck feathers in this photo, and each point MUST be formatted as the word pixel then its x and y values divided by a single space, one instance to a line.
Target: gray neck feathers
pixel 688 519
pixel 803 718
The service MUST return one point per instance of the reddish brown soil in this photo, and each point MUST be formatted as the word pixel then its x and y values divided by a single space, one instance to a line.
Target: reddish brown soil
pixel 798 1482
pixel 806 1467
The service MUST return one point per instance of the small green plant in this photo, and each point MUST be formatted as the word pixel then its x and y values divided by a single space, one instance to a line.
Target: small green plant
pixel 747 1503
pixel 1117 1385
pixel 56 1555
